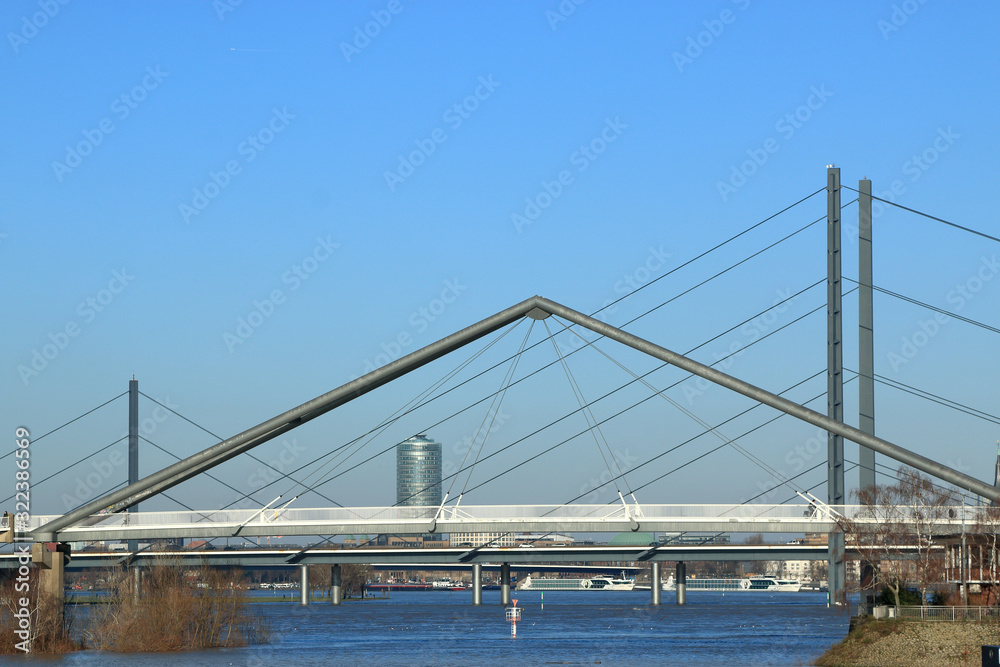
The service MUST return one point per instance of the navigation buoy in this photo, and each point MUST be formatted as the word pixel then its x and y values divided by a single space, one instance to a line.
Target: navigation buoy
pixel 513 616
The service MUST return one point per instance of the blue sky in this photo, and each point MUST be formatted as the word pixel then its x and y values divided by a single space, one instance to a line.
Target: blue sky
pixel 359 179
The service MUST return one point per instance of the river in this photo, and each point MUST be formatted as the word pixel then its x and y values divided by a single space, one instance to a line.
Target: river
pixel 577 628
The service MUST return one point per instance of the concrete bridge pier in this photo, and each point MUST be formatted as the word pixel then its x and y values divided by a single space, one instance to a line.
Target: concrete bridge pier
pixel 654 584
pixel 51 559
pixel 303 584
pixel 477 583
pixel 681 583
pixel 505 584
pixel 336 585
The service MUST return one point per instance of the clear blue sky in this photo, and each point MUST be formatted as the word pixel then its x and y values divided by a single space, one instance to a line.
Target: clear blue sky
pixel 169 168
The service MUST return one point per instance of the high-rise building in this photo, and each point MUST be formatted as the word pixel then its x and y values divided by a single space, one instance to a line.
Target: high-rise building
pixel 418 472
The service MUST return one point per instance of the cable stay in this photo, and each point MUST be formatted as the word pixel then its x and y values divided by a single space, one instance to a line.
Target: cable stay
pixel 491 413
pixel 575 351
pixel 710 250
pixel 251 455
pixel 928 306
pixel 698 420
pixel 35 440
pixel 255 515
pixel 595 431
pixel 927 215
pixel 934 398
pixel 75 463
pixel 373 432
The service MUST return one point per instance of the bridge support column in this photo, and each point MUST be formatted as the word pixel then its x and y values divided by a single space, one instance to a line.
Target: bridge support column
pixel 336 586
pixel 51 558
pixel 505 584
pixel 654 584
pixel 835 381
pixel 681 583
pixel 866 364
pixel 303 584
pixel 477 583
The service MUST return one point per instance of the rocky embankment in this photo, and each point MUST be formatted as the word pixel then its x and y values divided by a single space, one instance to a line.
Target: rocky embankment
pixel 913 643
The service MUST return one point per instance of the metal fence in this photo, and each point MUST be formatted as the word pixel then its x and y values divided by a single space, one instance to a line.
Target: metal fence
pixel 935 613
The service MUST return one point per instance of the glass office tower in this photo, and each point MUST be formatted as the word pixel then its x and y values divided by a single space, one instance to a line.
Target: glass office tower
pixel 418 472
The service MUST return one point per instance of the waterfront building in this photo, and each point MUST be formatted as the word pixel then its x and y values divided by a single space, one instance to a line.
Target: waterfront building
pixel 418 472
pixel 481 539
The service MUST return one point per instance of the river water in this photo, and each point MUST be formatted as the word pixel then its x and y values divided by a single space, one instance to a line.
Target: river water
pixel 567 627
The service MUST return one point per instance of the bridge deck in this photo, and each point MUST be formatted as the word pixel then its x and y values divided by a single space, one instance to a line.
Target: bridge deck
pixel 745 518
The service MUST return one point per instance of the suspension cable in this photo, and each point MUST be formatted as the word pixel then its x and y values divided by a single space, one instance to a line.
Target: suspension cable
pixel 917 302
pixel 35 440
pixel 588 415
pixel 62 470
pixel 927 215
pixel 710 250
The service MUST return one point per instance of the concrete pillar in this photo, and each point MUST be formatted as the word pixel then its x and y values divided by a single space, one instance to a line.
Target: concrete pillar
pixel 681 583
pixel 336 585
pixel 303 584
pixel 477 583
pixel 654 584
pixel 51 558
pixel 505 584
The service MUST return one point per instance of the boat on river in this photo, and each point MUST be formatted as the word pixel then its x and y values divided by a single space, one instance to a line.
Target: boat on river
pixel 598 583
pixel 726 584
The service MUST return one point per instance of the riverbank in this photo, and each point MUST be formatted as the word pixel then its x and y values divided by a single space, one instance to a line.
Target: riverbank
pixel 874 643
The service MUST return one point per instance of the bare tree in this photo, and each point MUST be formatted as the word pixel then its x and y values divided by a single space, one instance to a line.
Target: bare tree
pixel 928 505
pixel 896 523
pixel 985 535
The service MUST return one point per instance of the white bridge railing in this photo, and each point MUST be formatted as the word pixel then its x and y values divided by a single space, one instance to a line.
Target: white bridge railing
pixel 765 518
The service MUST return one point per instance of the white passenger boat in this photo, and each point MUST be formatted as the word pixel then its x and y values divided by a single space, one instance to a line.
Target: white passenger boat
pixel 598 583
pixel 727 584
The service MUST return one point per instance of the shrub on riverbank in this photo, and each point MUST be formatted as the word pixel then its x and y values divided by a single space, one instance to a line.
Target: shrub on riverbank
pixel 44 630
pixel 170 615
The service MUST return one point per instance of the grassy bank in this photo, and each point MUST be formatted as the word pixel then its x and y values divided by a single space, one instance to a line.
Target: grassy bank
pixel 873 643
